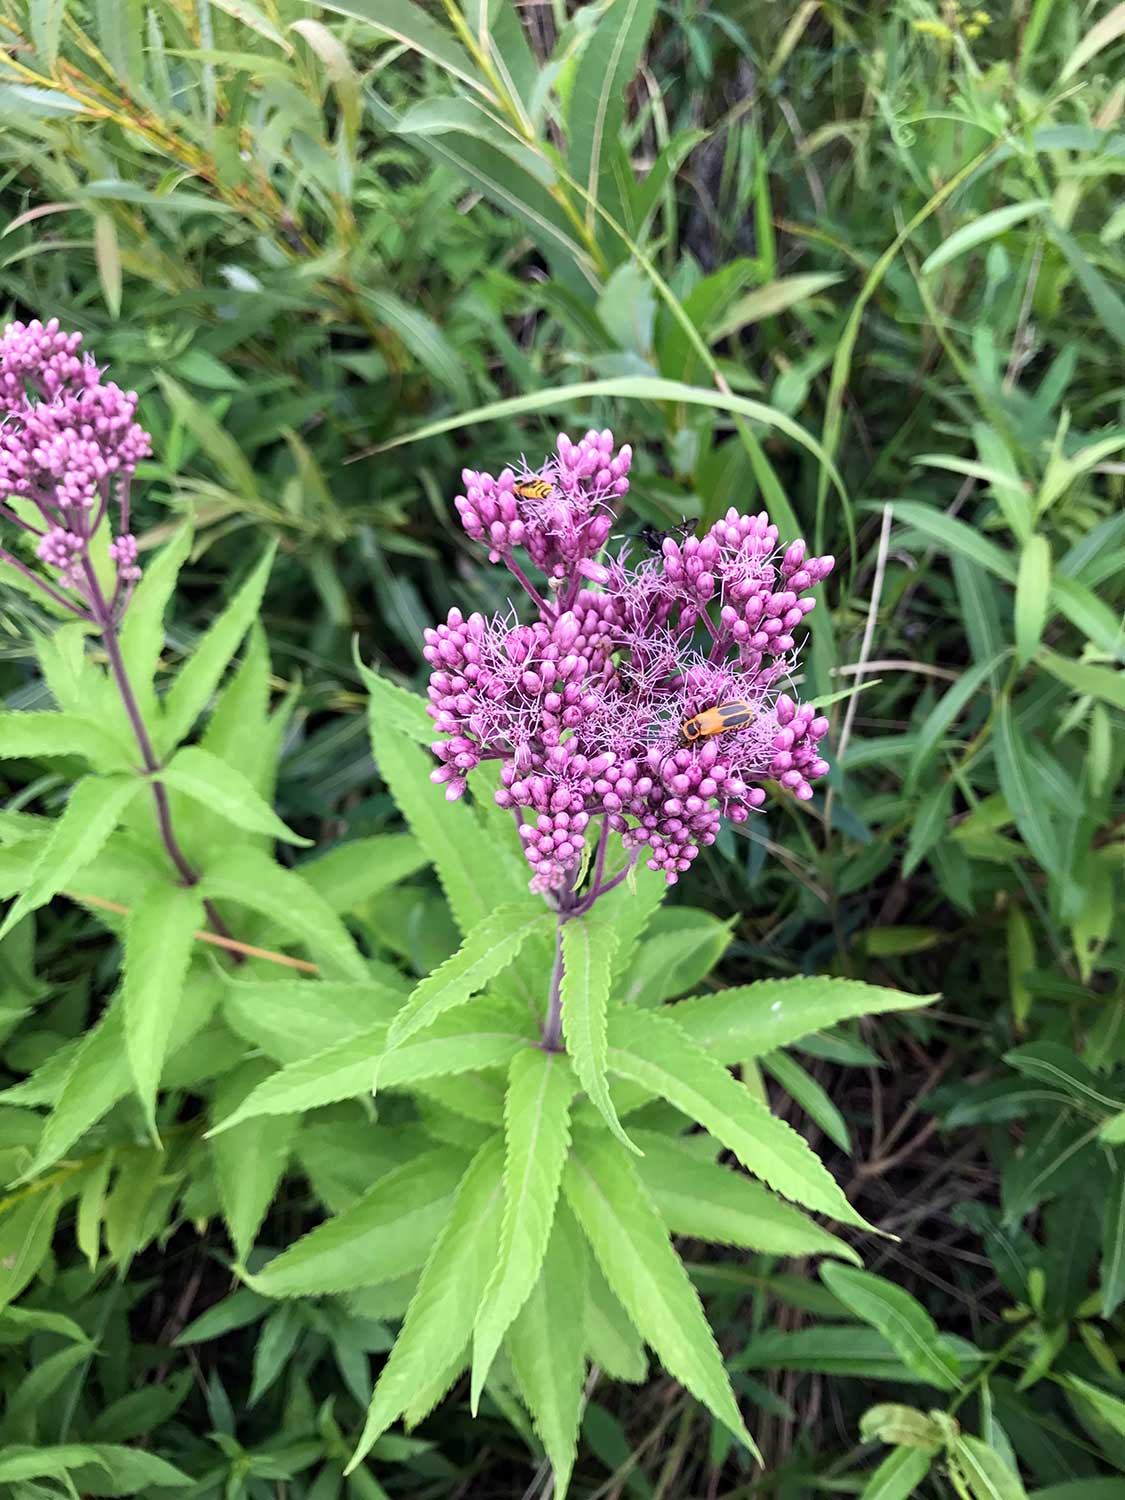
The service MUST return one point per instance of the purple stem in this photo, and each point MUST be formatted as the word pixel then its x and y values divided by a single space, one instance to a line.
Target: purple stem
pixel 526 584
pixel 14 562
pixel 10 515
pixel 103 618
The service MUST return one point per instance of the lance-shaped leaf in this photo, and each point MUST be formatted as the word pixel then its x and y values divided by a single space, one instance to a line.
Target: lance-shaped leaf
pixel 211 782
pixel 536 1136
pixel 439 1320
pixel 546 1345
pixel 142 630
pixel 198 678
pixel 386 1233
pixel 645 1273
pixel 35 734
pixel 898 1476
pixel 650 1049
pixel 588 950
pixel 902 1321
pixel 710 1202
pixel 1021 783
pixel 489 948
pixel 249 1161
pixel 251 878
pixel 487 1036
pixel 753 1019
pixel 159 937
pixel 94 810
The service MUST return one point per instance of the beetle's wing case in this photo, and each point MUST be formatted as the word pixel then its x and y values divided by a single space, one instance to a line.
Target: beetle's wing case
pixel 736 714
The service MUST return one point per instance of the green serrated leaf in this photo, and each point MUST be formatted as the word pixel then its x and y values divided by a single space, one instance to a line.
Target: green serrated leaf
pixel 159 938
pixel 650 1049
pixel 546 1346
pixel 645 1273
pixel 212 783
pixel 142 630
pixel 250 1160
pixel 588 951
pixel 537 1137
pixel 439 1320
pixel 902 1321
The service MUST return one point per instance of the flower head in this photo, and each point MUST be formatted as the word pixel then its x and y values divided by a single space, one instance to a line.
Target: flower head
pixel 604 706
pixel 69 446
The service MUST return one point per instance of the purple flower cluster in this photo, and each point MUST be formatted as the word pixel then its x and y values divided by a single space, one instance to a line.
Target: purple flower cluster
pixel 69 446
pixel 589 707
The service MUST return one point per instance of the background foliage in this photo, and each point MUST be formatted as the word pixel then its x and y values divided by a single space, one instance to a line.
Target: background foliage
pixel 339 260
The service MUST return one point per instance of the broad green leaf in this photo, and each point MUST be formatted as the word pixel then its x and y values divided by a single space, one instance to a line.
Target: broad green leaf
pixel 753 1019
pixel 213 439
pixel 292 1019
pixel 443 114
pixel 211 782
pixel 981 230
pixel 132 1471
pixel 804 1090
pixel 949 707
pixel 596 108
pixel 250 1160
pixel 930 822
pixel 1108 29
pixel 588 950
pixel 902 1321
pixel 650 1049
pixel 710 1202
pixel 159 938
pixel 439 1320
pixel 40 1386
pixel 25 1240
pixel 1113 1243
pixel 483 1038
pixel 446 831
pixel 33 734
pixel 956 537
pixel 489 948
pixel 200 675
pixel 898 1476
pixel 769 300
pixel 1084 677
pixel 547 1346
pixel 423 338
pixel 680 949
pixel 987 1475
pixel 638 388
pixel 252 879
pixel 537 1137
pixel 1033 584
pixel 1020 783
pixel 142 630
pixel 95 808
pixel 1110 1408
pixel 385 1234
pixel 645 1273
pixel 350 874
pixel 409 24
pixel 905 1426
pixel 837 1349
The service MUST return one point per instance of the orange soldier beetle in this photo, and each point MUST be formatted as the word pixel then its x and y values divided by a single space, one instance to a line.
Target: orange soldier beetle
pixel 733 715
pixel 534 489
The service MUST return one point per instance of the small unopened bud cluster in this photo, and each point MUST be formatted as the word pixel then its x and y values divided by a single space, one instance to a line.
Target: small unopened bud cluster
pixel 69 446
pixel 600 708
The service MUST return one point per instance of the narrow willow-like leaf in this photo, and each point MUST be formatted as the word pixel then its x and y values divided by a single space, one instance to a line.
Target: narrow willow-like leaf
pixel 948 708
pixel 159 937
pixel 537 1137
pixel 94 810
pixel 1113 1243
pixel 588 952
pixel 709 1202
pixel 410 25
pixel 385 1234
pixel 1018 781
pixel 902 1321
pixel 547 1350
pixel 804 1090
pixel 249 1161
pixel 930 822
pixel 979 231
pixel 439 1320
pixel 253 880
pixel 957 537
pixel 1033 584
pixel 1085 677
pixel 752 1019
pixel 898 1476
pixel 650 1049
pixel 645 1273
pixel 985 1473
pixel 489 947
pixel 199 676
pixel 211 782
pixel 214 441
